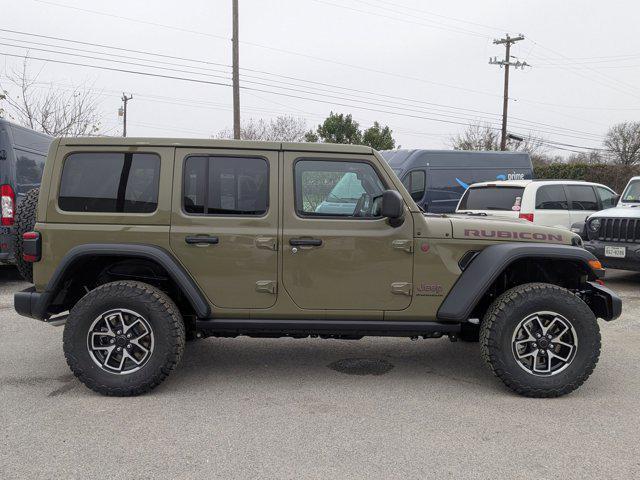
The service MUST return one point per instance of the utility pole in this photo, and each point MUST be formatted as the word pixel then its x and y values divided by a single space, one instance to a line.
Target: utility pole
pixel 236 74
pixel 123 112
pixel 507 41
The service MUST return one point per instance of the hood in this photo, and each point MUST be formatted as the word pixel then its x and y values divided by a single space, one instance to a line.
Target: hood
pixel 632 211
pixel 473 227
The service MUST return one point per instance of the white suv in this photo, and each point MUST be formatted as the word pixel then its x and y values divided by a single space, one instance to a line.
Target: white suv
pixel 554 203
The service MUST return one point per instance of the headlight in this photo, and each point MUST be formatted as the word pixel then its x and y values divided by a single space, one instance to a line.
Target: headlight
pixel 594 225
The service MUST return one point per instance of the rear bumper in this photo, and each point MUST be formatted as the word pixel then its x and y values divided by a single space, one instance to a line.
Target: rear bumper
pixel 7 244
pixel 630 262
pixel 30 303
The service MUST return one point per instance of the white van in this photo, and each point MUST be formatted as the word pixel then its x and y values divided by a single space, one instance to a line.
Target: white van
pixel 554 203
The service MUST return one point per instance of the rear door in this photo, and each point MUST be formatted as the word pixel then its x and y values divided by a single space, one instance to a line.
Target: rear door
pixel 552 206
pixel 224 224
pixel 582 202
pixel 346 258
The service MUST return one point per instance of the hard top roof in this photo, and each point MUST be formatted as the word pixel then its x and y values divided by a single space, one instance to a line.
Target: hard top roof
pixel 211 143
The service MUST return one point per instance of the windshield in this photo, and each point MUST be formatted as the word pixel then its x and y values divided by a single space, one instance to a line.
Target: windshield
pixel 632 192
pixel 492 198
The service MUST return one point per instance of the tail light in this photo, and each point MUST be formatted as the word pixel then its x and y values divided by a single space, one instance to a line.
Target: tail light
pixel 8 202
pixel 527 216
pixel 31 247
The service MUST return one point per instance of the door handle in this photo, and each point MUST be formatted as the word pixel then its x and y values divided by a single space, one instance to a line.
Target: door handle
pixel 305 242
pixel 201 240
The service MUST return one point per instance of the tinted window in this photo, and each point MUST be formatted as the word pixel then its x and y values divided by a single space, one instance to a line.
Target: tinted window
pixel 582 197
pixel 336 188
pixel 110 182
pixel 551 197
pixel 415 183
pixel 29 167
pixel 226 185
pixel 607 197
pixel 446 186
pixel 492 198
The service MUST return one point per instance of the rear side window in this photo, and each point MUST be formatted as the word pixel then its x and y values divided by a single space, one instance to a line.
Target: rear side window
pixel 110 182
pixel 551 197
pixel 492 198
pixel 415 183
pixel 583 197
pixel 226 186
pixel 29 167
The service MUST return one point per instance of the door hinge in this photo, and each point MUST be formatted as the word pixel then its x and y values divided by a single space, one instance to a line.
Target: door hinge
pixel 402 288
pixel 268 243
pixel 406 245
pixel 267 286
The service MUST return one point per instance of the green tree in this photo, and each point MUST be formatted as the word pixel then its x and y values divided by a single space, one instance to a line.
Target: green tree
pixel 337 128
pixel 379 138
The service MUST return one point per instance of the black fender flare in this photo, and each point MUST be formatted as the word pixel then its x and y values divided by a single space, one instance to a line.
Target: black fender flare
pixel 149 252
pixel 489 263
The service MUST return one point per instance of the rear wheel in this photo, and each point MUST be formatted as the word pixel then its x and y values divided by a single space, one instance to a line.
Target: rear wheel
pixel 540 340
pixel 25 221
pixel 124 338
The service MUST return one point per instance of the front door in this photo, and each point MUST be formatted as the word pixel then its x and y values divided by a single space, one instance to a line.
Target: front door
pixel 224 224
pixel 338 252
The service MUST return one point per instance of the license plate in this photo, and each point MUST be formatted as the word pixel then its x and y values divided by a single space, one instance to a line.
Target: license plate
pixel 617 252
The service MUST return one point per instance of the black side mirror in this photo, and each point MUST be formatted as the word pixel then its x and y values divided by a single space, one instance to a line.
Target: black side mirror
pixel 393 207
pixel 581 229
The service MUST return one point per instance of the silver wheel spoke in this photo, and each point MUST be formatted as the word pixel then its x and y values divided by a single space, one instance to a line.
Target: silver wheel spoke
pixel 109 346
pixel 538 349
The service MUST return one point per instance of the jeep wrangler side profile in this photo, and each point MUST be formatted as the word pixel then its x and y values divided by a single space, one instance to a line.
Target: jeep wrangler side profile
pixel 139 244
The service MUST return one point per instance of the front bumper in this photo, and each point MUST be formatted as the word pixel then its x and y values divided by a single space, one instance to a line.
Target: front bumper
pixel 630 262
pixel 603 302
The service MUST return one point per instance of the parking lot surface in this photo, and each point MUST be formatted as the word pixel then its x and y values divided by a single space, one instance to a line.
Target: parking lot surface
pixel 285 408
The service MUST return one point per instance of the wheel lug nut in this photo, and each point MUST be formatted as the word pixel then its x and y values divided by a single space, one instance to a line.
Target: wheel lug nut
pixel 128 335
pixel 119 349
pixel 538 335
pixel 119 332
pixel 129 346
pixel 112 340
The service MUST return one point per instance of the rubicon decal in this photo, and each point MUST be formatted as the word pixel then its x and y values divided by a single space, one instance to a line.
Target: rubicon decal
pixel 509 235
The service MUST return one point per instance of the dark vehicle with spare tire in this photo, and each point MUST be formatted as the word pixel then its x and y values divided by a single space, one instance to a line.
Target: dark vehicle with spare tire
pixel 140 244
pixel 22 155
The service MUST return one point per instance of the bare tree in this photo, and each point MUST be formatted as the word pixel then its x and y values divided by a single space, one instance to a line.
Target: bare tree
pixel 592 157
pixel 623 142
pixel 477 136
pixel 56 112
pixel 284 128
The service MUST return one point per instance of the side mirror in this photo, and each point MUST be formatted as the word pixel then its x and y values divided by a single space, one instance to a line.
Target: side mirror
pixel 616 199
pixel 393 207
pixel 581 229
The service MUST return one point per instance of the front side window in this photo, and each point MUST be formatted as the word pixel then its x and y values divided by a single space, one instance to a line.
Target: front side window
pixel 632 192
pixel 337 188
pixel 415 183
pixel 607 197
pixel 583 197
pixel 551 197
pixel 110 182
pixel 226 185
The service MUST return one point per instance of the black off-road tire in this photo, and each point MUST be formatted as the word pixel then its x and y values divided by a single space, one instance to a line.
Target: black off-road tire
pixel 25 220
pixel 504 316
pixel 159 311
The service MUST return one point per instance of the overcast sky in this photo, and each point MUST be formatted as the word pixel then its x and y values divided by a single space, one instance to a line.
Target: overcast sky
pixel 413 65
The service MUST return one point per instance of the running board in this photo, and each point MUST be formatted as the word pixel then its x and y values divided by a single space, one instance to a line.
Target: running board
pixel 332 328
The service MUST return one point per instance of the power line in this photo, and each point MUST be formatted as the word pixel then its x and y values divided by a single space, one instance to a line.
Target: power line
pixel 402 103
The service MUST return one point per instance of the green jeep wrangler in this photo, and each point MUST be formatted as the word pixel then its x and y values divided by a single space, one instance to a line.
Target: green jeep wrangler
pixel 139 244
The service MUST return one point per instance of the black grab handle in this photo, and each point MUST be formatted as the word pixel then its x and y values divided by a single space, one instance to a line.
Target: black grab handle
pixel 305 242
pixel 199 240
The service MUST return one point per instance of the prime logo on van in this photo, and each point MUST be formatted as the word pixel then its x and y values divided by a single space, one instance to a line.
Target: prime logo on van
pixel 511 235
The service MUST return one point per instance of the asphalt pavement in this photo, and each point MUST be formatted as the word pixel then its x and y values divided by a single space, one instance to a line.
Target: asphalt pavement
pixel 327 409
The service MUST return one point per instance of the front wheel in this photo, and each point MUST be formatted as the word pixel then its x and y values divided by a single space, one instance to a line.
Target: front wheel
pixel 540 340
pixel 124 338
